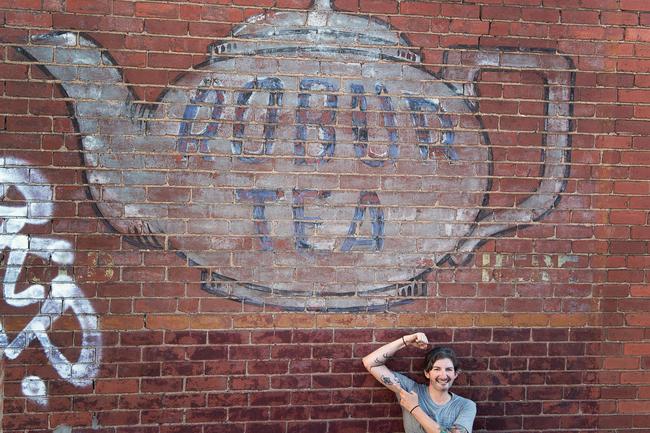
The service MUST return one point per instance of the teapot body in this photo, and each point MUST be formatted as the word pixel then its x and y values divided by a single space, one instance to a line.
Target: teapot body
pixel 388 137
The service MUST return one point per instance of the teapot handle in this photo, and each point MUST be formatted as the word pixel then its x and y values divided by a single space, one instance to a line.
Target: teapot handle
pixel 462 66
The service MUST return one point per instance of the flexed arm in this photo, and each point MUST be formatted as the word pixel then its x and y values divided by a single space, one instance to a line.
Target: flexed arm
pixel 375 361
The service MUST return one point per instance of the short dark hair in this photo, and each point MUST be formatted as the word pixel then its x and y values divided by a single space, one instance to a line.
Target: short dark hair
pixel 440 353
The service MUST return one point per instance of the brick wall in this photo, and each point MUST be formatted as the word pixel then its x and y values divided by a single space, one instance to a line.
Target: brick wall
pixel 213 209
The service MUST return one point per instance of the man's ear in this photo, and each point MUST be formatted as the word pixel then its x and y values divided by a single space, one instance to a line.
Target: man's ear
pixel 426 374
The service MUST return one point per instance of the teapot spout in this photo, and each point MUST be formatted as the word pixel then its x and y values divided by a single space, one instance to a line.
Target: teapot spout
pixel 101 100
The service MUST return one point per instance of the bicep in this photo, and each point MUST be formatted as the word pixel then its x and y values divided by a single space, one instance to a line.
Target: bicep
pixel 386 377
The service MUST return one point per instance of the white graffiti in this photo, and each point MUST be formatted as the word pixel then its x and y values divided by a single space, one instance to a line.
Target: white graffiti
pixel 34 387
pixel 64 294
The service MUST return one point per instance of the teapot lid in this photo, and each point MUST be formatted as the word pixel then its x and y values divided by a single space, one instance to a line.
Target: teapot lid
pixel 320 29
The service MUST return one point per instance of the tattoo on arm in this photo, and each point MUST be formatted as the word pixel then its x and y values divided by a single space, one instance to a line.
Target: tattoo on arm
pixel 386 380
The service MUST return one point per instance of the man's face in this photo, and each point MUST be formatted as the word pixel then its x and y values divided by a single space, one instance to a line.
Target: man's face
pixel 442 375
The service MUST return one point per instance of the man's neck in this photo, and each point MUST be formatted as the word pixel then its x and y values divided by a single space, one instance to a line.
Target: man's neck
pixel 439 397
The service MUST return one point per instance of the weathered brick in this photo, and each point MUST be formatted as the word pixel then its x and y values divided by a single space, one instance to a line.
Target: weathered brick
pixel 157 9
pixel 635 5
pixel 549 320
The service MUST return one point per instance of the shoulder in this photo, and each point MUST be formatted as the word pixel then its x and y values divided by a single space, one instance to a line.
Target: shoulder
pixel 466 403
pixel 406 382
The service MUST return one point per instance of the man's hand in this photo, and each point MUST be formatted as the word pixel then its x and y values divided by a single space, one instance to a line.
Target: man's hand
pixel 408 400
pixel 418 340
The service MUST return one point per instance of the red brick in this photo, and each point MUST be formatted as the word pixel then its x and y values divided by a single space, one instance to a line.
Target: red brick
pixel 154 305
pixel 419 8
pixel 256 383
pixel 30 19
pixel 581 17
pixel 635 377
pixel 637 348
pixel 460 11
pixel 30 421
pixel 88 6
pixel 377 6
pixel 205 383
pixel 621 363
pixel 614 142
pixel 205 415
pixel 411 24
pixel 157 10
pixel 498 12
pixel 224 14
pixel 634 406
pixel 261 3
pixel 25 4
pixel 143 274
pixel 117 386
pixel 149 385
pixel 293 4
pixel 628 247
pixel 208 29
pixel 166 27
pixel 539 14
pixel 249 352
pixel 619 18
pixel 635 5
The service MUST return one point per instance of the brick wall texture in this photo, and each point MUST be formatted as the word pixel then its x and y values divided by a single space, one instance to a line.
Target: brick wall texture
pixel 212 209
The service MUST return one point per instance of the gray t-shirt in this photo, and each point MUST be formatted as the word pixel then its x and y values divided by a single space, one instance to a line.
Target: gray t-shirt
pixel 457 411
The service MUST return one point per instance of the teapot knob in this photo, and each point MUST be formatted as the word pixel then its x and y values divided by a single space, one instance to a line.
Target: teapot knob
pixel 322 5
pixel 318 16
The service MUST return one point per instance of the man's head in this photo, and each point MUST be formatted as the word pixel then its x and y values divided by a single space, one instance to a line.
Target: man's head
pixel 440 353
pixel 441 368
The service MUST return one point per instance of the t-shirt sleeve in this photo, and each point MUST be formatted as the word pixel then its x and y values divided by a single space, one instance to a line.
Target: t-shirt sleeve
pixel 405 382
pixel 466 416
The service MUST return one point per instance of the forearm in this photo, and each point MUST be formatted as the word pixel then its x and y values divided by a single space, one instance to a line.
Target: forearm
pixel 427 423
pixel 383 354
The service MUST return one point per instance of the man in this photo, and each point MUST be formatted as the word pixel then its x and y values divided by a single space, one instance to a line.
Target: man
pixel 426 408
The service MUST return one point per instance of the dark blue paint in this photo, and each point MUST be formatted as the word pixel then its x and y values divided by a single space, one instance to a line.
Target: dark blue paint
pixel 368 200
pixel 300 220
pixel 325 122
pixel 259 198
pixel 419 108
pixel 188 142
pixel 275 88
pixel 359 105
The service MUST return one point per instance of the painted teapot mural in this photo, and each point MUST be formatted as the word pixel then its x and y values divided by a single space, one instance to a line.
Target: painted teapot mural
pixel 311 162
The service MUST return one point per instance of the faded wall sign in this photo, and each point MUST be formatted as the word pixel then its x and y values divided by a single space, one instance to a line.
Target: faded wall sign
pixel 311 162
